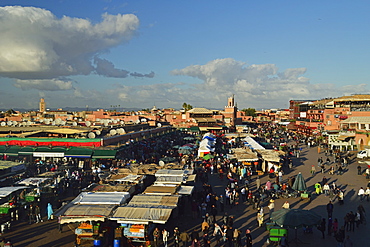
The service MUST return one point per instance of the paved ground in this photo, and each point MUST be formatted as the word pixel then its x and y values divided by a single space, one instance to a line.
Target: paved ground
pixel 46 234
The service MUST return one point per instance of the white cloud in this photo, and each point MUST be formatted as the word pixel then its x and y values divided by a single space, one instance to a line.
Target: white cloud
pixel 44 85
pixel 257 85
pixel 35 44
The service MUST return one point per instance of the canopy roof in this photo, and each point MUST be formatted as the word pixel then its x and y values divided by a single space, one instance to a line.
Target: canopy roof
pixel 132 178
pixel 153 200
pixel 160 190
pixel 33 181
pixel 144 215
pixel 80 213
pixel 252 144
pixel 270 155
pixel 6 191
pixel 114 198
pixel 185 190
pixel 170 179
pixel 168 172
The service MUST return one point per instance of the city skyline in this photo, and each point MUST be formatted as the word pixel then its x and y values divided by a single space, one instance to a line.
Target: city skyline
pixel 137 54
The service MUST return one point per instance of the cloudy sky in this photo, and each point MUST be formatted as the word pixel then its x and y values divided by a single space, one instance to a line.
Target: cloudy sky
pixel 137 53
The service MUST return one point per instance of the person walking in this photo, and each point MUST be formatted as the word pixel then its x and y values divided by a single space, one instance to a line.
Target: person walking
pixel 38 214
pixel 49 211
pixel 248 238
pixel 322 227
pixel 361 193
pixel 359 170
pixel 185 238
pixel 318 188
pixel 165 236
pixel 313 170
pixel 176 237
pixel 329 209
pixel 156 237
pixel 260 218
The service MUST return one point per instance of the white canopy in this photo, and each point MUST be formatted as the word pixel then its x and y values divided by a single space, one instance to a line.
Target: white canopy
pixel 81 213
pixel 168 172
pixel 185 190
pixel 154 200
pixel 114 198
pixel 143 215
pixel 33 181
pixel 6 191
pixel 132 178
pixel 252 144
pixel 170 179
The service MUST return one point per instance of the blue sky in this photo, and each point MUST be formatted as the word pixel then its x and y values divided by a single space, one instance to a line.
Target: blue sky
pixel 164 53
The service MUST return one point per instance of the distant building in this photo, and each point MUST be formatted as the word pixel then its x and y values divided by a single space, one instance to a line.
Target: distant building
pixel 42 105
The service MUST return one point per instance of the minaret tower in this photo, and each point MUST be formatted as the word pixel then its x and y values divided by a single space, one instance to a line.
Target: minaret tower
pixel 42 105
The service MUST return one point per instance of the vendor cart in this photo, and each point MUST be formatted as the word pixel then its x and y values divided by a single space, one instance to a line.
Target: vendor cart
pixel 276 233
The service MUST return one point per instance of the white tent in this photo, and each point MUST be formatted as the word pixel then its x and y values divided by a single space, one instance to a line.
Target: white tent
pixel 142 215
pixel 6 191
pixel 252 144
pixel 91 198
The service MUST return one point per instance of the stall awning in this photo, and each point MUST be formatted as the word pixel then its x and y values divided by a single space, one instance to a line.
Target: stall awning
pixel 104 154
pixel 81 213
pixel 2 149
pixel 194 129
pixel 75 152
pixel 12 151
pixel 26 150
pixel 154 200
pixel 114 198
pixel 185 190
pixel 144 215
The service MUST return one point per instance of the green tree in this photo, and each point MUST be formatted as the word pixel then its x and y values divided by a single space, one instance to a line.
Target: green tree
pixel 250 112
pixel 187 107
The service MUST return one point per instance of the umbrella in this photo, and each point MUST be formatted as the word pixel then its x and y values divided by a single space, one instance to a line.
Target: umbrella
pixel 295 218
pixel 189 138
pixel 185 151
pixel 208 156
pixel 185 148
pixel 168 159
pixel 299 183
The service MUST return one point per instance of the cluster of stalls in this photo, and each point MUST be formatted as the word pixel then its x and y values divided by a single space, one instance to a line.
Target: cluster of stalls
pixel 127 204
pixel 253 154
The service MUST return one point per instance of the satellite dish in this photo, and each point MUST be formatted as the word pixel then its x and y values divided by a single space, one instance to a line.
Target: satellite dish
pixel 63 123
pixel 115 121
pixel 143 120
pixel 91 135
pixel 112 132
pixel 74 124
pixel 137 121
pixel 161 163
pixel 122 123
pixel 98 132
pixel 28 123
pixel 3 124
pixel 58 121
pixel 159 125
pixel 88 123
pixel 47 121
pixel 98 120
pixel 9 123
pixel 80 120
pixel 105 122
pixel 15 123
pixel 41 120
pixel 53 123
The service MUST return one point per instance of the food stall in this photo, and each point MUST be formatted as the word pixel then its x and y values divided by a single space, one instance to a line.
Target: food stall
pixel 89 212
pixel 41 188
pixel 143 212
